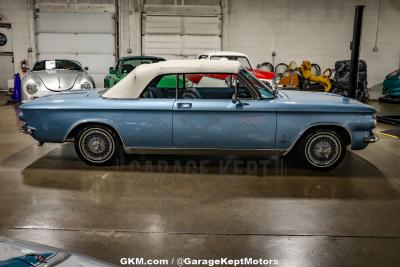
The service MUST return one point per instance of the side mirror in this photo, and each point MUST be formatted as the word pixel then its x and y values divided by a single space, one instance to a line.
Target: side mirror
pixel 86 68
pixel 235 99
pixel 112 70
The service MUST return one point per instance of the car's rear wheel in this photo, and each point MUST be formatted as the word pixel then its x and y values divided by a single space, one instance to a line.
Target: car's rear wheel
pixel 97 145
pixel 321 149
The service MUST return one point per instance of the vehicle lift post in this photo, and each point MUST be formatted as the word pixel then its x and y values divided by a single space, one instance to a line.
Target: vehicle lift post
pixel 355 50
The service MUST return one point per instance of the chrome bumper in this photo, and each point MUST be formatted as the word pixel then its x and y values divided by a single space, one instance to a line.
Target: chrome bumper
pixel 25 130
pixel 371 139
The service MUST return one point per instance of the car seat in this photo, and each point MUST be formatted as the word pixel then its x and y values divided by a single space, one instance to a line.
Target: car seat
pixel 191 93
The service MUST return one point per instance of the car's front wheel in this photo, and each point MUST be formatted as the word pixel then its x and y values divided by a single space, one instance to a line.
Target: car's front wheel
pixel 97 145
pixel 321 149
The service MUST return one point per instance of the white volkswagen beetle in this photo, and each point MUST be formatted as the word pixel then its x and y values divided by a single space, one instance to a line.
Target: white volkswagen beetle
pixel 53 76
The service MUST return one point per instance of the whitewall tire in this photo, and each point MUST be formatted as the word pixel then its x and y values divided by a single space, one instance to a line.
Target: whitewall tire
pixel 97 145
pixel 321 149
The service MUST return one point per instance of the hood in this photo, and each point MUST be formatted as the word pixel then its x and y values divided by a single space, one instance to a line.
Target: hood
pixel 57 80
pixel 262 74
pixel 326 102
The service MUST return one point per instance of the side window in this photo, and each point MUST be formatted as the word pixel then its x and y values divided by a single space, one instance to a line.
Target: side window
pixel 211 86
pixel 161 87
pixel 242 91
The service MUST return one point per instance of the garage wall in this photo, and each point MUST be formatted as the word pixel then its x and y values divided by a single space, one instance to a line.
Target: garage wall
pixel 321 30
pixel 19 14
pixel 169 28
pixel 79 30
pixel 86 37
pixel 129 27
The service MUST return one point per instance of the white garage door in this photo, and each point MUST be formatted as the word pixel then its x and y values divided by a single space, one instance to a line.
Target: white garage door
pixel 180 36
pixel 86 37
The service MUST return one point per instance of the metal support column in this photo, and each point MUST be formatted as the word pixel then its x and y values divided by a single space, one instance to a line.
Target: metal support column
pixel 355 50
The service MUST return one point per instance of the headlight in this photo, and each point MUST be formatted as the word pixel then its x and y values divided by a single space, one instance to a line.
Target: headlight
pixel 32 88
pixel 375 120
pixel 86 85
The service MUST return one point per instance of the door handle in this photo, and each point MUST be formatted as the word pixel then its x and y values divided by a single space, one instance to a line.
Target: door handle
pixel 184 105
pixel 240 104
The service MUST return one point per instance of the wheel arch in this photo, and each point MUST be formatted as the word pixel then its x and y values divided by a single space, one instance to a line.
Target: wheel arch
pixel 73 131
pixel 340 129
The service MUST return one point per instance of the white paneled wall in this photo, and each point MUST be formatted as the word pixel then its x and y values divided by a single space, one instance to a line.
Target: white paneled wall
pixel 320 31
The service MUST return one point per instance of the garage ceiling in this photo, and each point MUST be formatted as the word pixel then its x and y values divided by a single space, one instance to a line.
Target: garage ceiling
pixel 86 37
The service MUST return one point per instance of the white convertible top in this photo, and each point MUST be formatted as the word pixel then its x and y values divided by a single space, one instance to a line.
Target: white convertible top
pixel 134 83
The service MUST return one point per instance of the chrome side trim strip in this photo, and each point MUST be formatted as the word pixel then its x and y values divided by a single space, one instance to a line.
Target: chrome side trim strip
pixel 202 151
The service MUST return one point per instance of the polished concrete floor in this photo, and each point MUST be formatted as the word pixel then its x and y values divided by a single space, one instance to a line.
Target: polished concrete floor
pixel 165 206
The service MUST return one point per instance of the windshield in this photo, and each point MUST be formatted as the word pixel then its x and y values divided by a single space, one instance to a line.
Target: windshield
pixel 265 90
pixel 243 60
pixel 56 64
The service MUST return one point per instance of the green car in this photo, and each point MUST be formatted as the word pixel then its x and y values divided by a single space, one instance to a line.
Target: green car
pixel 124 66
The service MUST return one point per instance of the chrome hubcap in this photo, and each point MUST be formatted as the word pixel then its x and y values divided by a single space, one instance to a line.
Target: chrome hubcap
pixel 96 145
pixel 323 150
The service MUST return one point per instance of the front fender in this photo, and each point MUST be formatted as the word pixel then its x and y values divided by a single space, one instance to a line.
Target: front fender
pixel 292 126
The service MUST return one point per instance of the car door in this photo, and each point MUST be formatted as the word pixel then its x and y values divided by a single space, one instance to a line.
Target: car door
pixel 147 121
pixel 205 116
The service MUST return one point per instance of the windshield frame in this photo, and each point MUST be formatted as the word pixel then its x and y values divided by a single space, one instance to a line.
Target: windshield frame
pixel 256 84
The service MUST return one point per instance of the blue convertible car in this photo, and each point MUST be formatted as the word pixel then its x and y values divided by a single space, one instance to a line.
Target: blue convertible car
pixel 198 106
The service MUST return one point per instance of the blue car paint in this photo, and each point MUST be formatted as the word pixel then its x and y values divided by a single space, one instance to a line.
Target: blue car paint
pixel 158 123
pixel 223 124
